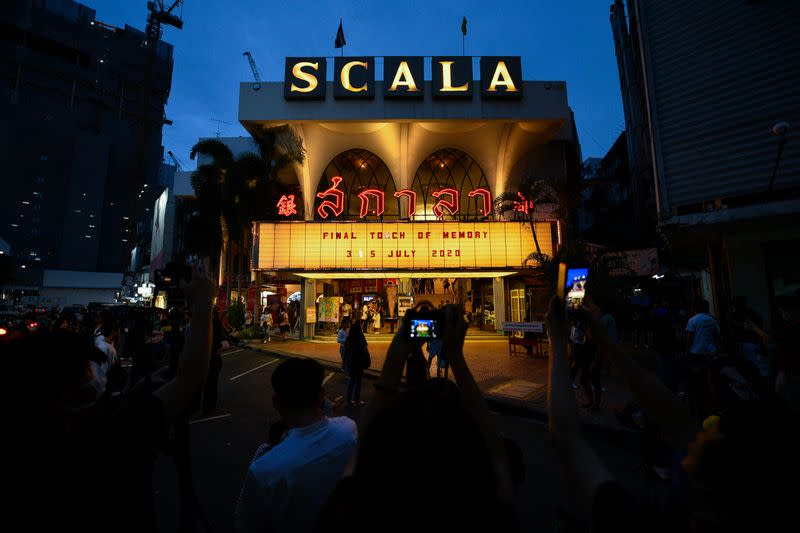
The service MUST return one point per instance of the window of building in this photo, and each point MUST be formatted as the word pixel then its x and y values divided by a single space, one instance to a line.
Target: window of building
pixel 449 168
pixel 359 170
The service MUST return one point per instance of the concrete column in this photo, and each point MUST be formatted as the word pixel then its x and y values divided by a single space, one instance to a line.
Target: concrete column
pixel 501 173
pixel 499 291
pixel 305 178
pixel 308 297
pixel 404 181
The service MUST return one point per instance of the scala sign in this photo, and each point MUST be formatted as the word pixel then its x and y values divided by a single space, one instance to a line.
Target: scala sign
pixel 308 246
pixel 403 77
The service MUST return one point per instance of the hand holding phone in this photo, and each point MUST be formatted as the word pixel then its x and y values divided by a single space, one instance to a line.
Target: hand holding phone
pixel 572 283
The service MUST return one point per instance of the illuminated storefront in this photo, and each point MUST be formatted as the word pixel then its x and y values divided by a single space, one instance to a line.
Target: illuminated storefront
pixel 396 193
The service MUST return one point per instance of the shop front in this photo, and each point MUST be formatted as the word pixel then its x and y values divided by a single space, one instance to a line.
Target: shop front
pixel 373 271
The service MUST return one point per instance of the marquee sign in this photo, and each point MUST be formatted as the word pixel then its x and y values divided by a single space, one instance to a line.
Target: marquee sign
pixel 380 246
pixel 333 201
pixel 403 77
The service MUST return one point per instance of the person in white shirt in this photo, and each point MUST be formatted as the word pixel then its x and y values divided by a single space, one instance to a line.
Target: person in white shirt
pixel 104 341
pixel 702 342
pixel 286 488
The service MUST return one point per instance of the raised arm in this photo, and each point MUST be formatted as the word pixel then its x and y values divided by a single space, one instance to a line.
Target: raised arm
pixel 453 353
pixel 585 472
pixel 177 394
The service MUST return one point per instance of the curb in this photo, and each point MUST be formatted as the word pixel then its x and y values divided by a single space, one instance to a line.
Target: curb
pixel 495 405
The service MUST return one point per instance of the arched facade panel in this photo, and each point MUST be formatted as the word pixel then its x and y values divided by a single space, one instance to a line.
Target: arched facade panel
pixel 358 171
pixel 449 169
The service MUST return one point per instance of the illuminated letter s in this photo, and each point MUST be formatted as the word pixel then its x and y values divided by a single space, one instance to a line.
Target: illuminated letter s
pixel 310 79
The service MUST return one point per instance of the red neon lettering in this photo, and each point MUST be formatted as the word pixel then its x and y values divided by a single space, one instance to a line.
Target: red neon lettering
pixel 412 200
pixel 379 201
pixel 451 206
pixel 336 207
pixel 523 205
pixel 487 199
pixel 286 206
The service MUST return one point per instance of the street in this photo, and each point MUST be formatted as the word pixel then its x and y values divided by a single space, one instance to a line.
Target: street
pixel 223 444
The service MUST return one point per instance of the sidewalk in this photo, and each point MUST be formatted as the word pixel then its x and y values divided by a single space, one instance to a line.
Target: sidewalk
pixel 513 384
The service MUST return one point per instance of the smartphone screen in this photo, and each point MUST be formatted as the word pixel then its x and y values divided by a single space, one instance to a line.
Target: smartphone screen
pixel 423 328
pixel 575 286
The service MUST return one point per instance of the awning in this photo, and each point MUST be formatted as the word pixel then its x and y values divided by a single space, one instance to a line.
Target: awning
pixel 404 274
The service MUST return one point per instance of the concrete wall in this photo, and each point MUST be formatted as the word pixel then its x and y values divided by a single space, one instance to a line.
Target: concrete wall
pixel 64 296
pixel 268 105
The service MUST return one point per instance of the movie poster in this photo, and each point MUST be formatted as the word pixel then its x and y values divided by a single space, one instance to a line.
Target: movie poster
pixel 328 309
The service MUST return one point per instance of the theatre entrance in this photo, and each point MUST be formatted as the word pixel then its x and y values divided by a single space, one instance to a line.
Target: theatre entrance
pixel 379 302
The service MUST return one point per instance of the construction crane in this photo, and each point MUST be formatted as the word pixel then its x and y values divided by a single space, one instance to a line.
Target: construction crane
pixel 257 84
pixel 174 159
pixel 158 15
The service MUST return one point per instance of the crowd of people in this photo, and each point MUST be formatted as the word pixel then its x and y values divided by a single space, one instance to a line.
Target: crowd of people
pixel 87 446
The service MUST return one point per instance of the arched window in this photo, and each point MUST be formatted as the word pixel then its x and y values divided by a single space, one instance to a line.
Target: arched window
pixel 449 168
pixel 359 170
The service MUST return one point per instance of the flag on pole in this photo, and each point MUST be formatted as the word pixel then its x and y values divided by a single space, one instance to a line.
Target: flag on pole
pixel 340 42
pixel 464 26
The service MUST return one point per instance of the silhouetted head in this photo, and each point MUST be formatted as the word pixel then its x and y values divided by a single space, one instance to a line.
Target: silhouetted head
pixel 297 384
pixel 701 306
pixel 736 465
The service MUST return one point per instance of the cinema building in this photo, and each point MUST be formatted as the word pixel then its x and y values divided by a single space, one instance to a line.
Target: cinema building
pixel 396 192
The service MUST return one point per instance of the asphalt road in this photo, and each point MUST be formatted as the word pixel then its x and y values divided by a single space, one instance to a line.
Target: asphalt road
pixel 223 444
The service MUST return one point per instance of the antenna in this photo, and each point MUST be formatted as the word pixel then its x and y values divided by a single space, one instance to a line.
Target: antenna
pixel 256 76
pixel 218 121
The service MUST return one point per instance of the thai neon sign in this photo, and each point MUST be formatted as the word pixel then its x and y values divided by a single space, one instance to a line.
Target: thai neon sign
pixel 447 201
pixel 337 205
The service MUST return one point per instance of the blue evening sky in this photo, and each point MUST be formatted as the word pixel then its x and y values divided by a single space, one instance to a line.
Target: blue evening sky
pixel 562 40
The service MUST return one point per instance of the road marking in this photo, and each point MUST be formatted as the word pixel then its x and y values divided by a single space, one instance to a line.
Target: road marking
pixel 234 351
pixel 253 369
pixel 327 378
pixel 210 418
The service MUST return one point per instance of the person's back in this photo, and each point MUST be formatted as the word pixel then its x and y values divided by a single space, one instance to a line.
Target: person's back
pixel 298 475
pixel 287 487
pixel 705 334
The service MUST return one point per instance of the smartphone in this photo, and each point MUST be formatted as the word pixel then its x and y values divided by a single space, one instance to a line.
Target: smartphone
pixel 424 325
pixel 574 287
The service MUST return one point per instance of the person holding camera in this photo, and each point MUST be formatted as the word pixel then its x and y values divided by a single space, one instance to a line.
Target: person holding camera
pixel 392 466
pixel 81 461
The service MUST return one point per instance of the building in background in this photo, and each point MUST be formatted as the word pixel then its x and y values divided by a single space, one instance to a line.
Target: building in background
pixel 397 190
pixel 710 95
pixel 74 287
pixel 80 136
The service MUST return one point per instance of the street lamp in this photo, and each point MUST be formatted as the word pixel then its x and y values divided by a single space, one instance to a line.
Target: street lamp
pixel 780 130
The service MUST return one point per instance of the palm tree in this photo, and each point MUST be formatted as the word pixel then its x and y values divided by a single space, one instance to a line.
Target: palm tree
pixel 211 187
pixel 233 192
pixel 565 192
